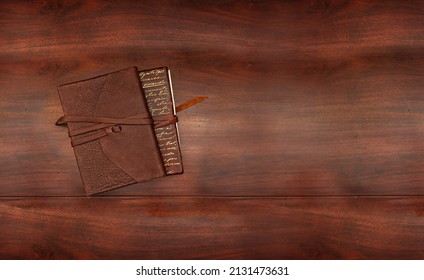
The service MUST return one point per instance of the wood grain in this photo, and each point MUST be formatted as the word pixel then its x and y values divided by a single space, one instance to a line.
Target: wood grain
pixel 310 144
pixel 212 228
pixel 305 97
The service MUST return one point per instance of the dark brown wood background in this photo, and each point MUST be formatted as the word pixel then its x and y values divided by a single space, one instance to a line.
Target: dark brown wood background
pixel 310 146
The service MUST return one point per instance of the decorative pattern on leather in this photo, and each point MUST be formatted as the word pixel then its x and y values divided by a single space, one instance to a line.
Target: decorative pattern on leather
pixel 157 90
pixel 98 172
pixel 126 155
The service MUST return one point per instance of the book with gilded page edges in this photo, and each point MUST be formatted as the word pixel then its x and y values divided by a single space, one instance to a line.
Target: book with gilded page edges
pixel 116 139
pixel 157 87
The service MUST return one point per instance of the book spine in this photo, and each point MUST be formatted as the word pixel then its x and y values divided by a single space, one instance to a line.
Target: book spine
pixel 157 89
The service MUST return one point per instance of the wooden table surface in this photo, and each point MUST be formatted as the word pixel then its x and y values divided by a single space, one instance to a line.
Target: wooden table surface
pixel 310 146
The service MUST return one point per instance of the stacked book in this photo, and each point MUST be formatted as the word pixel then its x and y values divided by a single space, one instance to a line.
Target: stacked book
pixel 123 127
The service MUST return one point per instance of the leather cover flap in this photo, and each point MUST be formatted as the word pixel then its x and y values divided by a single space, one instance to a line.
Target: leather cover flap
pixel 126 155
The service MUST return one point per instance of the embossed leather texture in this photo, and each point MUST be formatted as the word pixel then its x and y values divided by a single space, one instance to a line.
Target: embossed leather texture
pixel 111 155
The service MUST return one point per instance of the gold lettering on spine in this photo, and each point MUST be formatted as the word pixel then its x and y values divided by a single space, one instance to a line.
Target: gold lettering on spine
pixel 155 86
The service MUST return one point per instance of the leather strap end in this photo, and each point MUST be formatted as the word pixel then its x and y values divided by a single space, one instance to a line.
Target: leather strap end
pixel 190 103
pixel 60 121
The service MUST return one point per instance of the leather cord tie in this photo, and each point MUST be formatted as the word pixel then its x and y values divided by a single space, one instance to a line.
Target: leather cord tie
pixel 104 125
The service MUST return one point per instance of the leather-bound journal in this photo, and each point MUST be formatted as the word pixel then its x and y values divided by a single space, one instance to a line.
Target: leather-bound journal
pixel 113 132
pixel 157 87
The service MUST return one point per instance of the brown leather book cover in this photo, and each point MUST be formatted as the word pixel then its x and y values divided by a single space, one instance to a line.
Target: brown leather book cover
pixel 112 131
pixel 157 87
